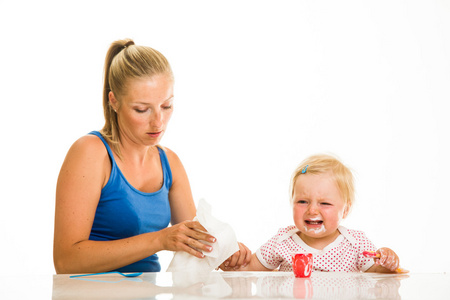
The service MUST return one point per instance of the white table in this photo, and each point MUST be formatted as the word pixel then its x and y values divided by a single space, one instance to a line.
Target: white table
pixel 228 285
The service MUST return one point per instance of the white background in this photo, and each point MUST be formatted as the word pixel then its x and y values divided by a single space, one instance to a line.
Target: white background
pixel 260 85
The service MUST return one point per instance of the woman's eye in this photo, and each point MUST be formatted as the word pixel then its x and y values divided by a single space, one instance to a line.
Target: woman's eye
pixel 167 107
pixel 140 110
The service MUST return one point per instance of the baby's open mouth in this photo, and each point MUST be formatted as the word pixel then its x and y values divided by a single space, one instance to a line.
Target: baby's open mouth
pixel 316 222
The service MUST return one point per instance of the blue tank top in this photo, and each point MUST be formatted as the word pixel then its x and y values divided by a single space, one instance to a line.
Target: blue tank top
pixel 124 211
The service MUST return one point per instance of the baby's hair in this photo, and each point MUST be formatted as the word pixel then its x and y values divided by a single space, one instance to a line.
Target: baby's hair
pixel 324 163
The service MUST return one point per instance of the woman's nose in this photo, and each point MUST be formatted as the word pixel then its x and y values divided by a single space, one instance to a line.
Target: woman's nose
pixel 157 119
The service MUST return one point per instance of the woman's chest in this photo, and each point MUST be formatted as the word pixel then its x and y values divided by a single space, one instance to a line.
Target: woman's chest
pixel 147 178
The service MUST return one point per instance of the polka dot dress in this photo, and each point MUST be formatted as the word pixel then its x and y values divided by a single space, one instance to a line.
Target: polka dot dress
pixel 342 255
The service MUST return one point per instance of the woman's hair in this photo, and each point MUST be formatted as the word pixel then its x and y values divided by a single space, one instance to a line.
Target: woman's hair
pixel 126 61
pixel 324 163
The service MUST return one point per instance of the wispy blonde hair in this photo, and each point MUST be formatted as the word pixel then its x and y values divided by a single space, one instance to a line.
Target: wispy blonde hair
pixel 324 163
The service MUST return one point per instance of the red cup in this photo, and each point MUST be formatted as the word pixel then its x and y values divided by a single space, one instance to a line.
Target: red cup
pixel 302 264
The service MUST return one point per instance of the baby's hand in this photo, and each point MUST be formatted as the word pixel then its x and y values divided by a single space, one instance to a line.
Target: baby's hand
pixel 239 259
pixel 387 259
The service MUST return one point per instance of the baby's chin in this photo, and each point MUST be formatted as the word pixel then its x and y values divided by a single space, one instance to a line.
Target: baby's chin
pixel 324 234
pixel 314 229
pixel 317 230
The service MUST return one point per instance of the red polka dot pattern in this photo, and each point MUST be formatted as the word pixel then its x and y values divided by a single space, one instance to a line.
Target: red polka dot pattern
pixel 345 256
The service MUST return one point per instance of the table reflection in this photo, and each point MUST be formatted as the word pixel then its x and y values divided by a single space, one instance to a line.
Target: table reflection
pixel 221 285
pixel 331 286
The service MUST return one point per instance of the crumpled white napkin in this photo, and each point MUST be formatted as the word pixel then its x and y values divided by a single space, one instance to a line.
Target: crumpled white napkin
pixel 225 245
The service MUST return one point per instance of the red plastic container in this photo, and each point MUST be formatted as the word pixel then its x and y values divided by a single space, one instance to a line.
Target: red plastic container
pixel 302 264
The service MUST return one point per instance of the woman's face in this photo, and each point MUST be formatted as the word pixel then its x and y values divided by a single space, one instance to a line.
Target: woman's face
pixel 144 110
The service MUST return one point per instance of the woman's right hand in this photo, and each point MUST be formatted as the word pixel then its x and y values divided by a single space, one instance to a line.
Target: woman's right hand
pixel 186 236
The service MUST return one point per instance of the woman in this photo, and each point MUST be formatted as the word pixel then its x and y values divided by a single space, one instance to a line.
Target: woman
pixel 118 189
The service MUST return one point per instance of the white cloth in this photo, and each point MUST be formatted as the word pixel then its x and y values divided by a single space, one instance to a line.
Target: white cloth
pixel 225 245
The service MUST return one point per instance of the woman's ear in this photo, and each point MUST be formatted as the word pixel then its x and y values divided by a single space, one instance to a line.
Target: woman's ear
pixel 113 101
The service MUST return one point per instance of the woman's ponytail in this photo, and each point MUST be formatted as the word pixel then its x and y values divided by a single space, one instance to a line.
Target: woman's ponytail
pixel 125 61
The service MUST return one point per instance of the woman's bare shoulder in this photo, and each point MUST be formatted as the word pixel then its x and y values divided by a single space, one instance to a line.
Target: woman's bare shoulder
pixel 172 157
pixel 170 154
pixel 87 158
pixel 87 152
pixel 89 145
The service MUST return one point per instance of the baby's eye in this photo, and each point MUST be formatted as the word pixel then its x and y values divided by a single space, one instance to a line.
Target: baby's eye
pixel 301 202
pixel 326 203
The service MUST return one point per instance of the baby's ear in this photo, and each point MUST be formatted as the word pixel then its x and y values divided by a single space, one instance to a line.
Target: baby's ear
pixel 346 211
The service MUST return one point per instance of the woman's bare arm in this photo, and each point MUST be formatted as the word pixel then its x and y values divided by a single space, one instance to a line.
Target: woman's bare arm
pixel 180 196
pixel 83 174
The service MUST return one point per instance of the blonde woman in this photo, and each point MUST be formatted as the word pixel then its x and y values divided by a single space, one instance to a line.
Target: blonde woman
pixel 118 189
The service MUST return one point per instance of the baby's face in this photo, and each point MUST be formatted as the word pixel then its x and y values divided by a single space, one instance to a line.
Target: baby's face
pixel 318 206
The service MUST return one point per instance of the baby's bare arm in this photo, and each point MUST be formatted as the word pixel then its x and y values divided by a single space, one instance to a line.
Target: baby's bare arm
pixel 253 265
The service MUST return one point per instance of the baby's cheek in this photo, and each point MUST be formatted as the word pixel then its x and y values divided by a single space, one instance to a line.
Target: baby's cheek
pixel 333 221
pixel 297 213
pixel 298 217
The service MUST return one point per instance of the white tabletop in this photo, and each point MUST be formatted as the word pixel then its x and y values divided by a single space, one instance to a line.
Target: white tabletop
pixel 228 285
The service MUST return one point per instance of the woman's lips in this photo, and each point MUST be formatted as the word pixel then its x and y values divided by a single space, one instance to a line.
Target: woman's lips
pixel 154 134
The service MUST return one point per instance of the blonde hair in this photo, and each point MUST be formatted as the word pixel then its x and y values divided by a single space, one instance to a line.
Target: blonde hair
pixel 324 163
pixel 125 61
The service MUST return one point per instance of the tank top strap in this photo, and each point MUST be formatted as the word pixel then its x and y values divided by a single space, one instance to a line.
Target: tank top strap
pixel 110 153
pixel 166 168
